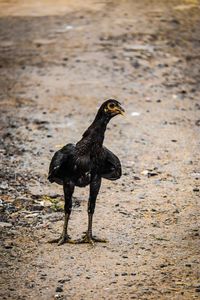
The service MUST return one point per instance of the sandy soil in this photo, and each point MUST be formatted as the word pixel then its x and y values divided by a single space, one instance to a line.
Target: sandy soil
pixel 58 61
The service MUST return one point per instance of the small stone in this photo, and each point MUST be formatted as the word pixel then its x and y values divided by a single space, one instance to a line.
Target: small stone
pixel 8 246
pixel 4 185
pixel 59 289
pixel 149 173
pixel 188 265
pixel 141 196
pixel 30 285
pixel 58 296
pixel 195 189
pixel 124 274
pixel 163 266
pixel 136 64
pixel 197 123
pixel 5 224
pixel 136 178
pixel 63 280
pixel 36 207
pixel 129 284
pixel 183 92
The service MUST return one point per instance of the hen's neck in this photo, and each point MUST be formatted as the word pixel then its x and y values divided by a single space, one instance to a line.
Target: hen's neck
pixel 93 137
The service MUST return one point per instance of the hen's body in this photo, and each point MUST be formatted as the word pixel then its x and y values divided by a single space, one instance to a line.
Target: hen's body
pixel 68 163
pixel 85 164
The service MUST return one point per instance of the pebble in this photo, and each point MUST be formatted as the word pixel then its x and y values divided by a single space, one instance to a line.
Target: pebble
pixel 31 215
pixel 59 289
pixel 135 114
pixel 64 280
pixel 113 282
pixel 8 246
pixel 141 196
pixel 4 185
pixel 58 296
pixel 20 202
pixel 129 284
pixel 5 225
pixel 149 173
pixel 163 266
pixel 136 64
pixel 197 123
pixel 136 178
pixel 36 207
pixel 188 265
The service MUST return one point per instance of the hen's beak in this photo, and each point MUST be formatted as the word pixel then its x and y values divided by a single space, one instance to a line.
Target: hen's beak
pixel 120 110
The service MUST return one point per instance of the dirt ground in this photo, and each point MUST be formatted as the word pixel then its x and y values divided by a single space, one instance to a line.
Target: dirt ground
pixel 59 60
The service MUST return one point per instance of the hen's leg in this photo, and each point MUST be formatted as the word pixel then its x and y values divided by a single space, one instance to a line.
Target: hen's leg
pixel 94 190
pixel 68 192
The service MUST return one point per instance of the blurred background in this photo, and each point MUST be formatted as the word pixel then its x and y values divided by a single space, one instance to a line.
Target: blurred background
pixel 59 60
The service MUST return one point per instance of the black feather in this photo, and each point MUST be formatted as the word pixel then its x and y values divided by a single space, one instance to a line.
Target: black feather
pixel 81 162
pixel 86 163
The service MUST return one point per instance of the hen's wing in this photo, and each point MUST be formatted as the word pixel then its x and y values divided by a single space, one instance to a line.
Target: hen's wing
pixel 111 167
pixel 61 164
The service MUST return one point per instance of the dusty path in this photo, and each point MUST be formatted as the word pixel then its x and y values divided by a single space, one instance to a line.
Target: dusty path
pixel 58 62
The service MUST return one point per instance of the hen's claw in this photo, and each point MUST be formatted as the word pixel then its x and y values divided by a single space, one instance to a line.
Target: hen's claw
pixel 86 239
pixel 62 240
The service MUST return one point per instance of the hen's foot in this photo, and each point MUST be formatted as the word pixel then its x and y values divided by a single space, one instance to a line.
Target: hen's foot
pixel 62 240
pixel 87 239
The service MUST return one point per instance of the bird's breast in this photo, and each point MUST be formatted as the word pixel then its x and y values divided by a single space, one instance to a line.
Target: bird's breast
pixel 83 179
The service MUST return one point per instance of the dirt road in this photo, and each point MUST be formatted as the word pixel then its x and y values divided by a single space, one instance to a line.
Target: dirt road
pixel 58 62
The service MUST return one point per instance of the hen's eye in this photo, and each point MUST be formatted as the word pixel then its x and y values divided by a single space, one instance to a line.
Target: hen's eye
pixel 111 105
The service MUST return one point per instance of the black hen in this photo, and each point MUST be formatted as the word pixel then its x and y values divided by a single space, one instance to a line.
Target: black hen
pixel 86 163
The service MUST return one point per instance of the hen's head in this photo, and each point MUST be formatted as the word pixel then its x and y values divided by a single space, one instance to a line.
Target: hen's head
pixel 111 108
